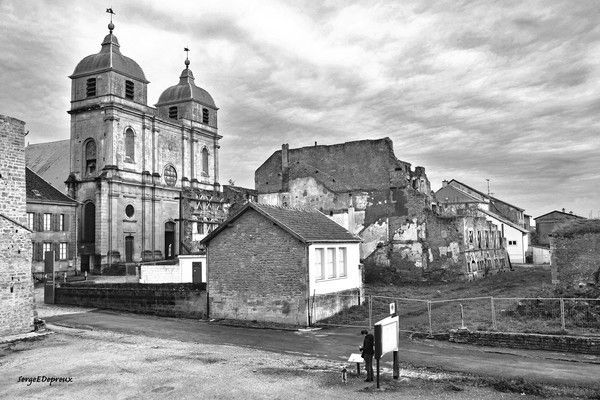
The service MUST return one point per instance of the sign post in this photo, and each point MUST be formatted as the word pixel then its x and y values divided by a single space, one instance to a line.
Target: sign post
pixel 50 284
pixel 396 361
pixel 386 338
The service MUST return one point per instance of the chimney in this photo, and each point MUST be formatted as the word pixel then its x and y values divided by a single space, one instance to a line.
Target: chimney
pixel 571 212
pixel 563 210
pixel 285 167
pixel 315 143
pixel 444 183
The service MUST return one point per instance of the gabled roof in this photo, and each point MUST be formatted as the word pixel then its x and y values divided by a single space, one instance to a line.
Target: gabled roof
pixel 50 160
pixel 561 213
pixel 40 190
pixel 486 195
pixel 308 226
pixel 504 221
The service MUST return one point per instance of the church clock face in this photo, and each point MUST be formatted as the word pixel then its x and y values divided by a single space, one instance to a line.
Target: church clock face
pixel 170 175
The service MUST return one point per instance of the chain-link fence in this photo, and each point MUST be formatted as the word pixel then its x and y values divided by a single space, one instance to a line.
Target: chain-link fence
pixel 576 316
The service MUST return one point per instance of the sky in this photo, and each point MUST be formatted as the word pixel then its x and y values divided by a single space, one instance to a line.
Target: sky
pixel 472 90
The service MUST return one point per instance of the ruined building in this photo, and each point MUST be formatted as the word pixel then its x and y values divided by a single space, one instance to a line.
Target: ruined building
pixel 16 285
pixel 365 188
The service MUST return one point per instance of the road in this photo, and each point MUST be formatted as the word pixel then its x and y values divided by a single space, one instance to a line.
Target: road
pixel 338 343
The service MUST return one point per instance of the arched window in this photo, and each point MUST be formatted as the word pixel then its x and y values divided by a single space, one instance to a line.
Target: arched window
pixel 90 157
pixel 89 223
pixel 170 175
pixel 129 145
pixel 205 161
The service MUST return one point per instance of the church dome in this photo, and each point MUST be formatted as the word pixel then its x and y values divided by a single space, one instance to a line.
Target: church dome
pixel 109 58
pixel 186 90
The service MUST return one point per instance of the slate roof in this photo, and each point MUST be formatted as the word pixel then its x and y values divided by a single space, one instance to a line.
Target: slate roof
pixel 504 220
pixel 308 226
pixel 50 160
pixel 40 190
pixel 485 195
pixel 560 213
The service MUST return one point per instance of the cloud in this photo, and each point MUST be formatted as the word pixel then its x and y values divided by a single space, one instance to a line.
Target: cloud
pixel 471 90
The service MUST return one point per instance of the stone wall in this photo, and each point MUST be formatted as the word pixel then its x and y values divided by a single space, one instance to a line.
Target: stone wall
pixel 185 300
pixel 257 271
pixel 575 259
pixel 529 341
pixel 16 286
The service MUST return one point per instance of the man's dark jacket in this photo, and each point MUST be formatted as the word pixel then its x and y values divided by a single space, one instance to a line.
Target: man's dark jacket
pixel 368 346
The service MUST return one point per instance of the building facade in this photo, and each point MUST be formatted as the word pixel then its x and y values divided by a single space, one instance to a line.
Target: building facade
pixel 52 218
pixel 146 177
pixel 16 284
pixel 546 224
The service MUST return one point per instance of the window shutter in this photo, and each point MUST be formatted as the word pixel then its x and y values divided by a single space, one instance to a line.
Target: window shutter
pixel 54 222
pixel 57 251
pixel 40 251
pixel 71 249
pixel 66 226
pixel 37 222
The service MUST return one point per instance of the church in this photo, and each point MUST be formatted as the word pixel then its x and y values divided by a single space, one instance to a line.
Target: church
pixel 146 178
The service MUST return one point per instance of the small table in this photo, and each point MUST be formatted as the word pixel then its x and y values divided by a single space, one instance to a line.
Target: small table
pixel 356 358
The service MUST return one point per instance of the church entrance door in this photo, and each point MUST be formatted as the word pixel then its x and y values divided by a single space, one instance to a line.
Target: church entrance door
pixel 128 249
pixel 169 240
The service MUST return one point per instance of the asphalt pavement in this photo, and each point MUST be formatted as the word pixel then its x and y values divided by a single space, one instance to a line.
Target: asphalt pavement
pixel 338 343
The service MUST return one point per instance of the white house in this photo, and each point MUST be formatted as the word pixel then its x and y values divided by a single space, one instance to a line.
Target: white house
pixel 517 237
pixel 284 265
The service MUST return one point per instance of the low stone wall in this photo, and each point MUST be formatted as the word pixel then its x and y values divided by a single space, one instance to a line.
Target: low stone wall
pixel 530 341
pixel 326 305
pixel 187 300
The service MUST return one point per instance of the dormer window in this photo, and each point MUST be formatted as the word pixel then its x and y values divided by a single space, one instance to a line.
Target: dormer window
pixel 90 87
pixel 129 90
pixel 173 112
pixel 205 116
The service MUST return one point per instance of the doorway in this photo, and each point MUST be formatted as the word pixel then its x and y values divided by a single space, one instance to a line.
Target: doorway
pixel 129 248
pixel 196 272
pixel 169 240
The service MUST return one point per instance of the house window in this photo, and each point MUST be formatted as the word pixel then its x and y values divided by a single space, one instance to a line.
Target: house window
pixel 479 238
pixel 512 242
pixel 61 222
pixel 30 217
pixel 173 112
pixel 205 116
pixel 320 263
pixel 90 87
pixel 470 236
pixel 129 90
pixel 205 161
pixel 170 175
pixel 90 157
pixel 200 227
pixel 487 239
pixel 47 222
pixel 62 251
pixel 46 247
pixel 331 263
pixel 342 261
pixel 129 145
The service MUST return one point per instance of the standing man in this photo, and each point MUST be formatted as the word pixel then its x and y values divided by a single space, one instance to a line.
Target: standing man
pixel 368 350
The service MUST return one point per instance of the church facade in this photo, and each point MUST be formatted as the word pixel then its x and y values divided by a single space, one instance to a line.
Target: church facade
pixel 146 178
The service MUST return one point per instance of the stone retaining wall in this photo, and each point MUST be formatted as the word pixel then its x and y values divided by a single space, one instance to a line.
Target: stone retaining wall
pixel 188 300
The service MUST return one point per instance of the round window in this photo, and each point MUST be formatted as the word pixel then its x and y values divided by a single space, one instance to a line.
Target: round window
pixel 170 175
pixel 129 210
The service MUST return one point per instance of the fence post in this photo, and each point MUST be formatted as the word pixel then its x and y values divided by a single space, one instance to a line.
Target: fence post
pixel 494 326
pixel 370 311
pixel 562 314
pixel 429 316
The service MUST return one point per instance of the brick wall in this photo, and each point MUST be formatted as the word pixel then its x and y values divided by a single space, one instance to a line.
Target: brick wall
pixel 257 271
pixel 16 286
pixel 187 300
pixel 574 259
pixel 530 341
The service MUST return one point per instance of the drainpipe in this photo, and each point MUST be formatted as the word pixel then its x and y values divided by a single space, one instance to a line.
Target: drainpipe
pixel 308 309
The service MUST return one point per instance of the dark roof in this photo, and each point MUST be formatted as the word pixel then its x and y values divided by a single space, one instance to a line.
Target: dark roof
pixel 561 213
pixel 185 90
pixel 50 160
pixel 504 220
pixel 109 59
pixel 307 225
pixel 486 195
pixel 40 190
